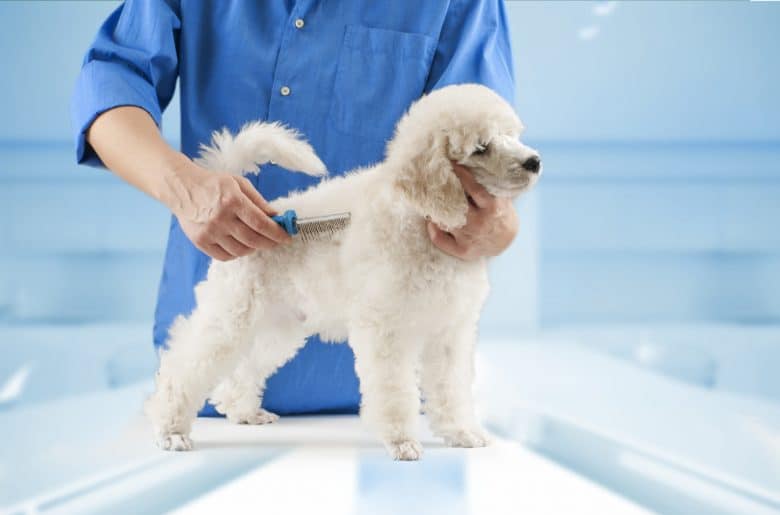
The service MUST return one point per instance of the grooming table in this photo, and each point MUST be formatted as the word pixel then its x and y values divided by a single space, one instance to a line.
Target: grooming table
pixel 332 464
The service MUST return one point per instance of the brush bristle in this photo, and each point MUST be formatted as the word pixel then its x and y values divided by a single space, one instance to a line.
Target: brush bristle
pixel 322 227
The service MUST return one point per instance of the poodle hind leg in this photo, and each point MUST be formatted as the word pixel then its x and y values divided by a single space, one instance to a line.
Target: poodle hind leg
pixel 240 396
pixel 386 366
pixel 447 378
pixel 202 349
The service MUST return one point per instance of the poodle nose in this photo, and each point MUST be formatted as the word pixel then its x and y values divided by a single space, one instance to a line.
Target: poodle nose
pixel 532 164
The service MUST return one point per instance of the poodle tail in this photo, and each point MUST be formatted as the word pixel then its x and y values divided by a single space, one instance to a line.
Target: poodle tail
pixel 258 143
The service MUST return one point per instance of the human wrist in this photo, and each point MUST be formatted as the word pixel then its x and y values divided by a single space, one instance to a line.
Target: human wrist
pixel 177 178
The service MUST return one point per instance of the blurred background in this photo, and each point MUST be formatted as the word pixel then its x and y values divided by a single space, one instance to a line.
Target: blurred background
pixel 633 333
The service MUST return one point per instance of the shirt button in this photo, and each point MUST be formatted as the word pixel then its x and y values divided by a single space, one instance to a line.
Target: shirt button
pixel 299 23
pixel 284 90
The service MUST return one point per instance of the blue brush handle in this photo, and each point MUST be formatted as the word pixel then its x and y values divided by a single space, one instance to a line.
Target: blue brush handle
pixel 287 221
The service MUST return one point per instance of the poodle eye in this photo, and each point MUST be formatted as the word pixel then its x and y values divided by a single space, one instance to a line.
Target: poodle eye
pixel 481 148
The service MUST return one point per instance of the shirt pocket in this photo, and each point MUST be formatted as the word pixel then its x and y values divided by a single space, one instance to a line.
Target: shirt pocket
pixel 379 73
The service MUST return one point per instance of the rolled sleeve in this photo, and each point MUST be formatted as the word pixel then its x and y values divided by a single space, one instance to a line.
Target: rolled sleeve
pixel 132 62
pixel 103 86
pixel 474 46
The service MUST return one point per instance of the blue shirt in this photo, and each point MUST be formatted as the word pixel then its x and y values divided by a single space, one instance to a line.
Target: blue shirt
pixel 341 72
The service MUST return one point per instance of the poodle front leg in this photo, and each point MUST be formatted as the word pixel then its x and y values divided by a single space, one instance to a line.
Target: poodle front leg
pixel 447 378
pixel 202 349
pixel 390 401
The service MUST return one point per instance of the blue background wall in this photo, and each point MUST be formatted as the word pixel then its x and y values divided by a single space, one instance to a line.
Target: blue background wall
pixel 658 123
pixel 654 71
pixel 78 244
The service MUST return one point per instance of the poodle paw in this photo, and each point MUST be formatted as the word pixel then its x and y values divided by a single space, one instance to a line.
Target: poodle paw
pixel 405 450
pixel 466 438
pixel 174 442
pixel 256 418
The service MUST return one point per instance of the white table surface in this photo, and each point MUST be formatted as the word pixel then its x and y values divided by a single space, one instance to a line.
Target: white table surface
pixel 93 453
pixel 332 464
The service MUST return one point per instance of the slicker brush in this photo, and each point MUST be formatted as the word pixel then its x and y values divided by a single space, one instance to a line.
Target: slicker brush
pixel 315 228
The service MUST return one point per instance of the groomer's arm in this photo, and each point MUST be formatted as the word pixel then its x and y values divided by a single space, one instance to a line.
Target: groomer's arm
pixel 127 79
pixel 223 215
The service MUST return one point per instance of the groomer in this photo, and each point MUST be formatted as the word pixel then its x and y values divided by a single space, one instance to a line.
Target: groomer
pixel 340 71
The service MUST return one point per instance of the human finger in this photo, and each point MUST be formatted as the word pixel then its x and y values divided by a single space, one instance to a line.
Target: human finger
pixel 234 247
pixel 249 237
pixel 261 223
pixel 255 196
pixel 445 241
pixel 217 252
pixel 476 192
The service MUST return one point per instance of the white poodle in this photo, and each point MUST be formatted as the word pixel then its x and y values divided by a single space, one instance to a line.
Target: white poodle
pixel 410 311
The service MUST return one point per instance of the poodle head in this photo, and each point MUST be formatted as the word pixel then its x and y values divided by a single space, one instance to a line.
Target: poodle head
pixel 467 124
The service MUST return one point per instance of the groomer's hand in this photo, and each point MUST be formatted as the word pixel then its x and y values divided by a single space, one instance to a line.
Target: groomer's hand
pixel 223 215
pixel 491 223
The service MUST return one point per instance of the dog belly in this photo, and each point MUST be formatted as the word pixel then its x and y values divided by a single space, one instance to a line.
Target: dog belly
pixel 321 311
pixel 334 333
pixel 325 315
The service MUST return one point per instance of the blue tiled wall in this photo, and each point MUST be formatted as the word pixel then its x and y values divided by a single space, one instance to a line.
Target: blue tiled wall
pixel 659 124
pixel 78 245
pixel 648 232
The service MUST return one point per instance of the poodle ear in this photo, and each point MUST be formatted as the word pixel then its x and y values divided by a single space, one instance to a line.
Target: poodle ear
pixel 428 182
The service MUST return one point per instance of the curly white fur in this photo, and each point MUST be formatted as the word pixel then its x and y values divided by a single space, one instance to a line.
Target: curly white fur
pixel 410 312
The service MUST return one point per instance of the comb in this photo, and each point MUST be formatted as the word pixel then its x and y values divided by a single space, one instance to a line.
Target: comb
pixel 312 228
